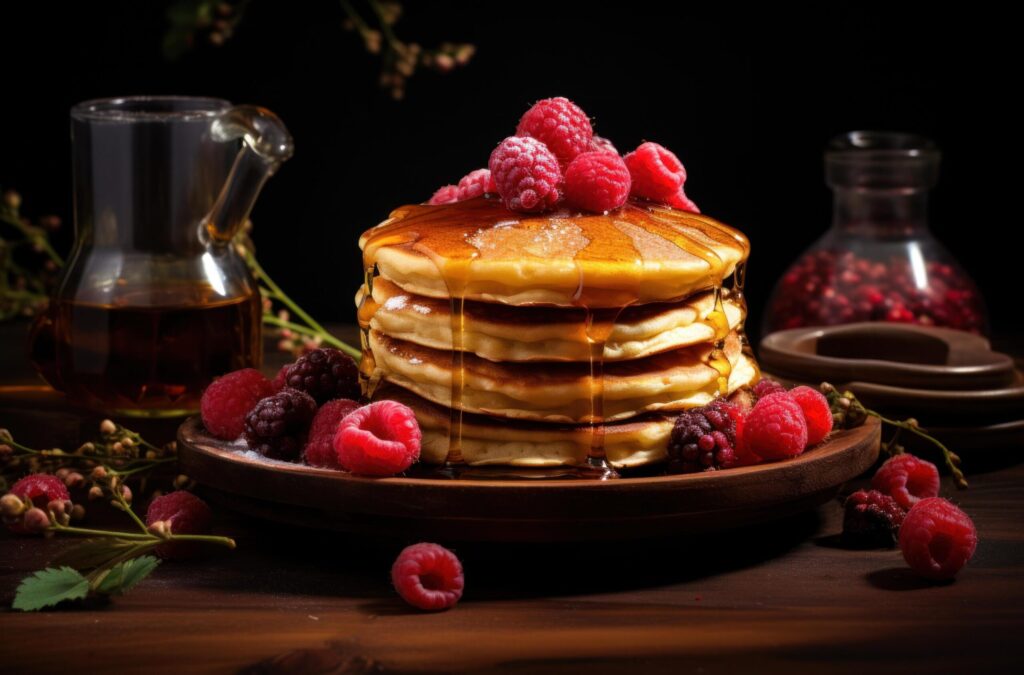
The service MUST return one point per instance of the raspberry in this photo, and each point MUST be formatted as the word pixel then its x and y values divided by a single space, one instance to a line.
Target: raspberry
pixel 476 183
pixel 186 514
pixel 277 426
pixel 907 479
pixel 596 181
pixel 229 399
pixel 380 439
pixel 817 413
pixel 767 386
pixel 601 144
pixel 320 446
pixel 657 173
pixel 40 489
pixel 428 576
pixel 680 201
pixel 776 428
pixel 282 375
pixel 526 174
pixel 559 124
pixel 871 518
pixel 704 438
pixel 325 374
pixel 937 538
pixel 446 194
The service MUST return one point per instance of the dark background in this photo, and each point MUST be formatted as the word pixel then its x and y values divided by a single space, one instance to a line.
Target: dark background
pixel 746 97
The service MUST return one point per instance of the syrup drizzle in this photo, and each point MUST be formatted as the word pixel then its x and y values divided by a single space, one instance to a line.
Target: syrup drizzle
pixel 449 237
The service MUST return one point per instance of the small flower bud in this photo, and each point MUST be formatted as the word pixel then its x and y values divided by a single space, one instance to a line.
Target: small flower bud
pixel 127 442
pixel 181 481
pixel 36 520
pixel 88 447
pixel 74 479
pixel 99 473
pixel 118 448
pixel 62 473
pixel 59 511
pixel 12 199
pixel 107 427
pixel 126 492
pixel 95 492
pixel 77 512
pixel 161 528
pixel 912 423
pixel 826 388
pixel 150 454
pixel 11 505
pixel 5 450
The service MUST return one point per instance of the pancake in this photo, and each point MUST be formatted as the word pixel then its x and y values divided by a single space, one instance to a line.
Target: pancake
pixel 561 392
pixel 503 442
pixel 506 333
pixel 479 250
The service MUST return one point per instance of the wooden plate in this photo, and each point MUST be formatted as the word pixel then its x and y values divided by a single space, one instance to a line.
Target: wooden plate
pixel 524 510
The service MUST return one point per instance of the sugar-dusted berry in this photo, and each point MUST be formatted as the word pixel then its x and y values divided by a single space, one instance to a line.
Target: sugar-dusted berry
pixel 326 373
pixel 596 181
pixel 319 449
pixel 776 428
pixel 559 124
pixel 278 425
pixel 526 173
pixel 229 399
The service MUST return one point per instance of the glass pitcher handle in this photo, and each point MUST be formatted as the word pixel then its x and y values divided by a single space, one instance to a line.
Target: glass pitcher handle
pixel 266 143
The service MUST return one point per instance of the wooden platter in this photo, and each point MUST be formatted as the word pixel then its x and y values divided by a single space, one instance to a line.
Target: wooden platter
pixel 466 509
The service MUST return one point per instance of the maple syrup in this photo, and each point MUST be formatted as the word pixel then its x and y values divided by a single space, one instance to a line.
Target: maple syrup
pixel 456 237
pixel 146 359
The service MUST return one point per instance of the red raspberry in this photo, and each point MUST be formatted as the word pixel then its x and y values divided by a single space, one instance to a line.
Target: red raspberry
pixel 596 181
pixel 445 194
pixel 476 183
pixel 277 426
pixel 380 439
pixel 526 173
pixel 428 576
pixel 559 124
pixel 680 201
pixel 937 538
pixel 320 446
pixel 40 489
pixel 907 479
pixel 186 514
pixel 776 428
pixel 602 144
pixel 816 411
pixel 657 173
pixel 325 374
pixel 229 399
pixel 767 386
pixel 871 518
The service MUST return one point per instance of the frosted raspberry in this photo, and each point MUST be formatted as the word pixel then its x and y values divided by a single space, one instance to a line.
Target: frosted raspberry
pixel 428 576
pixel 559 124
pixel 937 538
pixel 380 439
pixel 319 449
pixel 602 144
pixel 38 489
pixel 325 374
pixel 816 411
pixel 596 181
pixel 185 514
pixel 907 479
pixel 776 428
pixel 229 399
pixel 657 174
pixel 704 438
pixel 527 175
pixel 476 183
pixel 445 194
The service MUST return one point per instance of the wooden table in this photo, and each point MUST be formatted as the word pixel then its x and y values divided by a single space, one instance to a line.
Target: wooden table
pixel 779 598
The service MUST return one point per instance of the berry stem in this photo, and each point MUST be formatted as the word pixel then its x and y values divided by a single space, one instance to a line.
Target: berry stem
pixel 326 337
pixel 952 460
pixel 37 240
pixel 154 539
pixel 127 508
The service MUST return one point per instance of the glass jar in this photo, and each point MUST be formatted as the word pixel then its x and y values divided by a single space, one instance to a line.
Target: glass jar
pixel 879 261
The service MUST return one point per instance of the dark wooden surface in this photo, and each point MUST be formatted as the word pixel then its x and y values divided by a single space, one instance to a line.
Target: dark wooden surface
pixel 775 598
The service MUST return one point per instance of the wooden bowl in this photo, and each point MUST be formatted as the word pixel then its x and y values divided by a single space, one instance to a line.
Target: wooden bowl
pixel 524 510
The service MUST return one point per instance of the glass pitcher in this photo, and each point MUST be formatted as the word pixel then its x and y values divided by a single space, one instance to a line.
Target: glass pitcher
pixel 154 301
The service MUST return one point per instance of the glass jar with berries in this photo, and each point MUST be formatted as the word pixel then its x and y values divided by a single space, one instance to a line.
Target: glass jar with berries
pixel 879 261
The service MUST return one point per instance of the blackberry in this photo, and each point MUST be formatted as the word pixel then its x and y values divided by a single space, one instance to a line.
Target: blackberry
pixel 278 425
pixel 325 374
pixel 871 519
pixel 704 439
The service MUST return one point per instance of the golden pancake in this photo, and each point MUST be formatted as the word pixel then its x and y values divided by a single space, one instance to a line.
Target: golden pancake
pixel 564 392
pixel 479 250
pixel 506 333
pixel 504 442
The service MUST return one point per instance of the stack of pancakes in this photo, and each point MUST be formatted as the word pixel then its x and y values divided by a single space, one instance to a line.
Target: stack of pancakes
pixel 552 339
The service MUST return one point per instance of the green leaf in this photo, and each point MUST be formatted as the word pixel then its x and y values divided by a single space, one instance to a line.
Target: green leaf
pixel 92 553
pixel 123 576
pixel 49 587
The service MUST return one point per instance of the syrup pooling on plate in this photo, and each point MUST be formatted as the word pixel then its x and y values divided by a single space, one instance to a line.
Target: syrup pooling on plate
pixel 608 254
